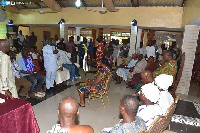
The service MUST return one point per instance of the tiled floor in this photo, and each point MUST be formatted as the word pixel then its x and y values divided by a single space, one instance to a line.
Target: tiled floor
pixel 93 114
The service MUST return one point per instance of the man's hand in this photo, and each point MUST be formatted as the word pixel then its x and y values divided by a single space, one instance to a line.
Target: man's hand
pixel 8 94
pixel 55 51
pixel 60 69
pixel 33 73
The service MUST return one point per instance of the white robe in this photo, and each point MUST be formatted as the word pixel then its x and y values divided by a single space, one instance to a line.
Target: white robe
pixel 63 75
pixel 50 64
pixel 165 101
pixel 7 81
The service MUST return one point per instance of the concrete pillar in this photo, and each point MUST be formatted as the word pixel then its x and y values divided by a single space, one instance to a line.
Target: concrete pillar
pixel 133 40
pixel 139 35
pixel 189 47
pixel 64 31
pixel 78 32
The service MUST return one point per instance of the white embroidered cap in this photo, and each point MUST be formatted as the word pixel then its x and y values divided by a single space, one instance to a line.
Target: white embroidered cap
pixel 163 81
pixel 151 92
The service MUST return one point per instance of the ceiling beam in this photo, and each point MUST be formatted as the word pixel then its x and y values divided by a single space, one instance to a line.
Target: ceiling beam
pixel 109 4
pixel 135 3
pixel 53 5
pixel 12 9
pixel 38 4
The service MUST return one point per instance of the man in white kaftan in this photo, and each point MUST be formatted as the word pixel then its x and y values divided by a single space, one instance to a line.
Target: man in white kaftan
pixel 50 63
pixel 7 82
pixel 139 67
pixel 122 72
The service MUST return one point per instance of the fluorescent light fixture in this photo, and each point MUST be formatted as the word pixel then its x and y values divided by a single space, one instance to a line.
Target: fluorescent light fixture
pixel 78 4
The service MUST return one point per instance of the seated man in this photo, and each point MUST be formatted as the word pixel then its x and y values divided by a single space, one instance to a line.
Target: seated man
pixel 65 61
pixel 139 67
pixel 62 74
pixel 67 112
pixel 146 78
pixel 27 71
pixel 170 66
pixel 19 80
pixel 164 81
pixel 137 77
pixel 149 111
pixel 122 72
pixel 110 59
pixel 130 122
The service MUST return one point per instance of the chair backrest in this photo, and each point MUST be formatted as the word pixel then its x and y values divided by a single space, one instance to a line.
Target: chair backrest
pixel 179 75
pixel 108 82
pixel 169 114
pixel 157 126
pixel 177 98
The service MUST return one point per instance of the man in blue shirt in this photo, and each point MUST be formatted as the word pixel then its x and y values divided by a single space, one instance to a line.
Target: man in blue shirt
pixel 90 49
pixel 27 70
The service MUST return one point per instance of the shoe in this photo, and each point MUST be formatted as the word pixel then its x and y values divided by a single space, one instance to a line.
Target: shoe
pixel 72 79
pixel 31 95
pixel 68 82
pixel 48 91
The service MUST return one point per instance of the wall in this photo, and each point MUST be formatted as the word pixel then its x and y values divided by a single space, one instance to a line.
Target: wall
pixel 170 17
pixel 190 11
pixel 39 33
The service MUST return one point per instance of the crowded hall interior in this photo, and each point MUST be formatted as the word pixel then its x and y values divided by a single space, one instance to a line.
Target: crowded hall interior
pixel 99 66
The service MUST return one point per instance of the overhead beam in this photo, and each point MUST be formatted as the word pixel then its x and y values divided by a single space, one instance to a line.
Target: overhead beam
pixel 53 5
pixel 12 9
pixel 109 4
pixel 38 4
pixel 135 3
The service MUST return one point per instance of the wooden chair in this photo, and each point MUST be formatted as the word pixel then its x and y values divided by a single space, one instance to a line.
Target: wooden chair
pixel 177 98
pixel 100 94
pixel 161 123
pixel 175 83
pixel 157 126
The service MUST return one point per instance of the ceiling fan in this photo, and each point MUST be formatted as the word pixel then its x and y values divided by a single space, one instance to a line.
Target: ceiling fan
pixel 102 11
pixel 43 12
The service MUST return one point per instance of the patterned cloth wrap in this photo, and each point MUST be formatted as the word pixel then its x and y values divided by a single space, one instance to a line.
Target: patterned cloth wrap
pixel 86 87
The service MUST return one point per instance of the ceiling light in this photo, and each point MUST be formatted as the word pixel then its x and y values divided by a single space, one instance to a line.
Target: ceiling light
pixel 78 4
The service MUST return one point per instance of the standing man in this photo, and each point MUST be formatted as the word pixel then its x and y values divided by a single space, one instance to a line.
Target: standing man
pixel 33 39
pixel 77 43
pixel 141 50
pixel 50 63
pixel 150 49
pixel 20 38
pixel 7 82
pixel 82 51
pixel 45 41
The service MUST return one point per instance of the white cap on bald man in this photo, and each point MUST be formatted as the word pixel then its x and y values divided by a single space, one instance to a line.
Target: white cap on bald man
pixel 151 92
pixel 164 81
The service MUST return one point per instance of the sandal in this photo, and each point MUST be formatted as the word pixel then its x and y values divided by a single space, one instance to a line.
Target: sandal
pixel 80 105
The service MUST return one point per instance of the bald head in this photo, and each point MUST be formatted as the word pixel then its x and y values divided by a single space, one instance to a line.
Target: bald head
pixel 68 107
pixel 4 46
pixel 147 76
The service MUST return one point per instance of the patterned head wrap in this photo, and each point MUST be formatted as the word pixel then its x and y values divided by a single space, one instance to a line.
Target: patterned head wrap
pixel 163 81
pixel 151 92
